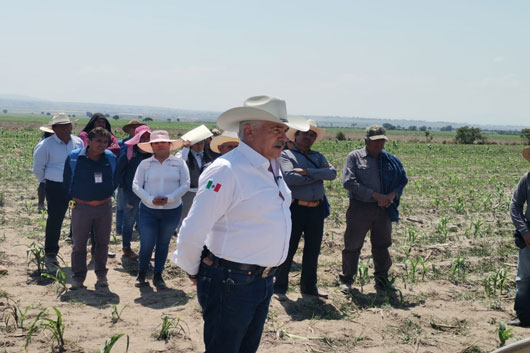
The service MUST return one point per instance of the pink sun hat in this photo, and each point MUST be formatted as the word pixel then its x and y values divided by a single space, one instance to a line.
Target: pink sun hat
pixel 138 133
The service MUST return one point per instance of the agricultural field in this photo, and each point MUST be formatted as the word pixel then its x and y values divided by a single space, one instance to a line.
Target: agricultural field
pixel 453 253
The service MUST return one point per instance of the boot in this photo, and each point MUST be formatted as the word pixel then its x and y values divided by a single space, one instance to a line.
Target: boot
pixel 140 280
pixel 158 281
pixel 129 253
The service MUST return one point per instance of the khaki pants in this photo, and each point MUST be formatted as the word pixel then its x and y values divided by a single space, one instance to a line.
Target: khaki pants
pixel 362 217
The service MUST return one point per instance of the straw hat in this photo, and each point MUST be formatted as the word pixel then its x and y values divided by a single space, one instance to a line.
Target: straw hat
pixel 133 123
pixel 160 136
pixel 46 128
pixel 312 126
pixel 376 132
pixel 198 134
pixel 60 119
pixel 526 154
pixel 260 108
pixel 227 136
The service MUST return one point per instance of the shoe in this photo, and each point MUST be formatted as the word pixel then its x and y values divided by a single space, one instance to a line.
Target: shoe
pixel 383 284
pixel 345 288
pixel 128 253
pixel 318 294
pixel 281 297
pixel 111 254
pixel 51 263
pixel 41 207
pixel 76 284
pixel 158 281
pixel 102 283
pixel 140 280
pixel 517 322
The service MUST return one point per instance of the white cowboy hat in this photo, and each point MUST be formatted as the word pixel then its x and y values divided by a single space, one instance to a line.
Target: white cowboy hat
pixel 198 134
pixel 526 154
pixel 226 136
pixel 160 136
pixel 260 108
pixel 60 119
pixel 312 126
pixel 46 128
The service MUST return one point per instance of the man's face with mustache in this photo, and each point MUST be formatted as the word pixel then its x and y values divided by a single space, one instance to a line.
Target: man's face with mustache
pixel 267 138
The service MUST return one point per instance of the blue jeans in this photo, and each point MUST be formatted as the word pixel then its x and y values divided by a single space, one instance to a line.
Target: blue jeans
pixel 522 285
pixel 156 228
pixel 234 308
pixel 130 215
pixel 120 207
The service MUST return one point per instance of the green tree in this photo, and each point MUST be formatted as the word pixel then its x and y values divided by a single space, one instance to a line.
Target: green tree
pixel 525 133
pixel 468 135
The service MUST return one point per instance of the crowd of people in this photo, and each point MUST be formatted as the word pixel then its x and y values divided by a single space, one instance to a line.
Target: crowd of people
pixel 239 203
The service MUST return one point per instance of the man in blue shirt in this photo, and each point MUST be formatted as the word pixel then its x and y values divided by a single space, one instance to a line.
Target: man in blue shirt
pixel 91 184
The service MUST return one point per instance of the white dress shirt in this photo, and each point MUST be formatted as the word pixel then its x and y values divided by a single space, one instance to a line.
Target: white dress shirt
pixel 241 213
pixel 170 179
pixel 50 155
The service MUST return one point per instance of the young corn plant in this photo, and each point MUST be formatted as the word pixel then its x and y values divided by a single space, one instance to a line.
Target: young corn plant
pixel 362 275
pixel 112 341
pixel 503 333
pixel 60 281
pixel 168 327
pixel 116 314
pixel 55 327
pixel 496 281
pixel 35 254
pixel 458 269
pixel 17 313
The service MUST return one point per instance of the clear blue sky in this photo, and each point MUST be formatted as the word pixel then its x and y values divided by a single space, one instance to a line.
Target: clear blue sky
pixel 430 60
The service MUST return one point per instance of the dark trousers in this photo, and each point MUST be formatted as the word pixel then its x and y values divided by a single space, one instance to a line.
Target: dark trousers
pixel 57 206
pixel 362 217
pixel 522 286
pixel 234 308
pixel 310 221
pixel 84 219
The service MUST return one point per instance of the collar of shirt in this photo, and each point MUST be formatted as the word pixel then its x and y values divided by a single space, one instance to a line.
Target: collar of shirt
pixel 201 153
pixel 168 159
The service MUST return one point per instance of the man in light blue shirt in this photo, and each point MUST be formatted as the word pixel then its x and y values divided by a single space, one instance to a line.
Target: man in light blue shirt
pixel 48 165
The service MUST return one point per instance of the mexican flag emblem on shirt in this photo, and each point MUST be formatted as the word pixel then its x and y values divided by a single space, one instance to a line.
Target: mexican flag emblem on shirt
pixel 212 186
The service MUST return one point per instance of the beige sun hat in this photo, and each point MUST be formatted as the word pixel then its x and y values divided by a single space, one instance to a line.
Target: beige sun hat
pixel 60 119
pixel 312 126
pixel 46 128
pixel 198 134
pixel 133 123
pixel 160 136
pixel 226 136
pixel 260 108
pixel 526 153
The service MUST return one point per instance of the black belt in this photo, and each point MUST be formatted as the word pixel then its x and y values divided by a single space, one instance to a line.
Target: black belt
pixel 251 269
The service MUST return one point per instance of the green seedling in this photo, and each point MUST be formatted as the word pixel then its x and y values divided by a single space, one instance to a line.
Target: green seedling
pixel 18 315
pixel 362 276
pixel 55 327
pixel 35 254
pixel 60 281
pixel 503 333
pixel 496 281
pixel 458 269
pixel 167 329
pixel 116 314
pixel 111 341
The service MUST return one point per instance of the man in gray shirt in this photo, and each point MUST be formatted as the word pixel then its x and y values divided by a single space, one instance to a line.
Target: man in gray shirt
pixel 520 221
pixel 304 171
pixel 374 179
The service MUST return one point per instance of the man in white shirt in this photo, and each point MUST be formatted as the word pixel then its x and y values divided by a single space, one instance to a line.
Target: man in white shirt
pixel 237 231
pixel 48 166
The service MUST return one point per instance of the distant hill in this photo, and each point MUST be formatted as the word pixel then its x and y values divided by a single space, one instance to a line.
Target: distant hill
pixel 30 105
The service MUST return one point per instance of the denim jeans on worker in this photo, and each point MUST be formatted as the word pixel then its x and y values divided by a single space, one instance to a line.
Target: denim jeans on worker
pixel 120 210
pixel 234 308
pixel 156 228
pixel 57 206
pixel 522 285
pixel 130 216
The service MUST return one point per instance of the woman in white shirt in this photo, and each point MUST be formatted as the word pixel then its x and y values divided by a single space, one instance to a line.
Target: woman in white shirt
pixel 160 181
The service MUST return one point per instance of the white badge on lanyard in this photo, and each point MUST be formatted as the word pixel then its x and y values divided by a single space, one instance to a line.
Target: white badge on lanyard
pixel 98 177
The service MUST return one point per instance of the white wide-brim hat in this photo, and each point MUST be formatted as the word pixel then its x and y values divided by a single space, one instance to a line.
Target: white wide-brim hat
pixel 312 126
pixel 46 128
pixel 262 108
pixel 200 133
pixel 526 154
pixel 226 136
pixel 60 119
pixel 160 136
